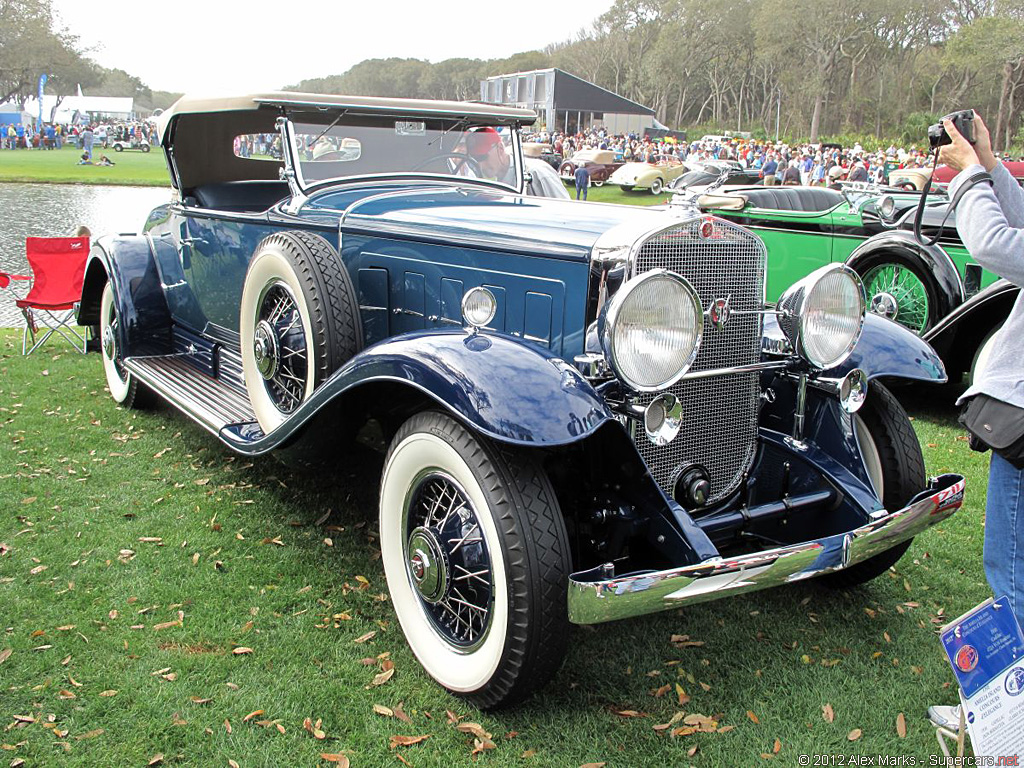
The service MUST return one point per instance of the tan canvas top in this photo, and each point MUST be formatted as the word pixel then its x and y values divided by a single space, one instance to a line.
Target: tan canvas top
pixel 202 128
pixel 603 156
pixel 191 105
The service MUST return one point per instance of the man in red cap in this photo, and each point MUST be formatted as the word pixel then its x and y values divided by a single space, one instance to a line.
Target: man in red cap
pixel 492 161
pixel 485 146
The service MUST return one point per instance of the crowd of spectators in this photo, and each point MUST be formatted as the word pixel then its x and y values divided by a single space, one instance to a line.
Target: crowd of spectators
pixel 48 136
pixel 805 164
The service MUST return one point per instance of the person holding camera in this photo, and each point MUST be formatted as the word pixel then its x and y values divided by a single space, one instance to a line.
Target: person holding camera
pixel 990 220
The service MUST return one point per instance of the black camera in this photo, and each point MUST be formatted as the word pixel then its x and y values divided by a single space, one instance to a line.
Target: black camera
pixel 964 122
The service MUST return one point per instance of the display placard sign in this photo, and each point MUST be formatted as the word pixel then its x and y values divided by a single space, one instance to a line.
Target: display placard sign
pixel 985 646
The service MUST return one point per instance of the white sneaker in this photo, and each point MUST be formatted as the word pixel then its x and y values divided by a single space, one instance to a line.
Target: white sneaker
pixel 945 717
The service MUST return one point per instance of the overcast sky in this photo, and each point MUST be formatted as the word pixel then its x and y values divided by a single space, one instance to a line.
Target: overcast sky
pixel 214 46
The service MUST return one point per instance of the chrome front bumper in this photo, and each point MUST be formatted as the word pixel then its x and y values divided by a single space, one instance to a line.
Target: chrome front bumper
pixel 597 595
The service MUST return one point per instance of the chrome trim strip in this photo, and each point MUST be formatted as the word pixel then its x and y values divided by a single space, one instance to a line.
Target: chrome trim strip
pixel 766 366
pixel 595 597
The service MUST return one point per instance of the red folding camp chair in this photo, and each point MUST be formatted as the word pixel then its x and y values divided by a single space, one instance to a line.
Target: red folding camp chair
pixel 58 268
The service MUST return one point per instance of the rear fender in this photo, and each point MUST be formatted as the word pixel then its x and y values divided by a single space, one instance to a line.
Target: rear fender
pixel 126 261
pixel 507 389
pixel 945 287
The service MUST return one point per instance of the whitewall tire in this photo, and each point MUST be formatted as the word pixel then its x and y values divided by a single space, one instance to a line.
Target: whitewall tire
pixel 124 388
pixel 476 558
pixel 298 323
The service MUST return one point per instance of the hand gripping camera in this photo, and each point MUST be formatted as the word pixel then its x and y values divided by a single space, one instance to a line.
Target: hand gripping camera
pixel 964 122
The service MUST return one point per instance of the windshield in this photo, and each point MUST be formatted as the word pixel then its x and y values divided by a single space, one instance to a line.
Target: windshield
pixel 386 146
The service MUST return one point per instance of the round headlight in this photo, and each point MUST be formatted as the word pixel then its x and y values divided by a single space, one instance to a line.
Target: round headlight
pixel 651 330
pixel 823 315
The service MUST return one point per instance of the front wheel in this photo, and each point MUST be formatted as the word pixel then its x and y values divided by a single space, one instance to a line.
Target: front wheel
pixel 894 464
pixel 898 291
pixel 476 558
pixel 656 186
pixel 981 355
pixel 118 148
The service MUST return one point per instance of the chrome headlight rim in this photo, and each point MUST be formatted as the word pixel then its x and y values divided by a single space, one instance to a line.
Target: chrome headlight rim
pixel 610 318
pixel 794 306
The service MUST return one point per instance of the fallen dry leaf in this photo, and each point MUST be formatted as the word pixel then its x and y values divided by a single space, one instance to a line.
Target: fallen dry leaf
pixel 380 709
pixel 335 758
pixel 776 747
pixel 241 650
pixel 407 741
pixel 90 734
pixel 593 765
pixel 5 654
pixel 383 677
pixel 364 638
pixel 251 715
pixel 227 725
pixel 108 693
pixel 480 745
pixel 199 700
pixel 827 713
pixel 156 759
pixel 901 725
pixel 233 764
pixel 855 734
pixel 752 717
pixel 474 728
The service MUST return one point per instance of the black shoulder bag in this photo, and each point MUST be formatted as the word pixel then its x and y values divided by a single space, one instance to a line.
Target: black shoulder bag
pixel 995 424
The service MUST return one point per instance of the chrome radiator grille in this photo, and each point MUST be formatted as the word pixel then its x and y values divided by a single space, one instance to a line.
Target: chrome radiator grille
pixel 719 429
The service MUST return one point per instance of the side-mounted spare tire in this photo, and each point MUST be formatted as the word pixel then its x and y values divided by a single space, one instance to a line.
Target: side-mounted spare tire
pixel 299 322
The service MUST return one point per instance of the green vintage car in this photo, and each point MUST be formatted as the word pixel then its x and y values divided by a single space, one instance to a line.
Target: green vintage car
pixel 871 230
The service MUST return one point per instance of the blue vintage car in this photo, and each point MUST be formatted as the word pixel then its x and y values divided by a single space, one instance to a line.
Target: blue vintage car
pixel 591 413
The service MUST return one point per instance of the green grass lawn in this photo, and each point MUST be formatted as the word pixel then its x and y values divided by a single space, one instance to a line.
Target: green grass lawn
pixel 138 556
pixel 60 166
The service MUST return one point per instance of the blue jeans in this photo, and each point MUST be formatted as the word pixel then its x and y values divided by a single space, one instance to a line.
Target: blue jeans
pixel 1004 533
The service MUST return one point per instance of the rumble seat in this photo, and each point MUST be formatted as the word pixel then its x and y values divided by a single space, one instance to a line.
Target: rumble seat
pixel 802 199
pixel 240 196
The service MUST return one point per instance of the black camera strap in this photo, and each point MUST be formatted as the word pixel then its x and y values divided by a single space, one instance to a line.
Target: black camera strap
pixel 974 178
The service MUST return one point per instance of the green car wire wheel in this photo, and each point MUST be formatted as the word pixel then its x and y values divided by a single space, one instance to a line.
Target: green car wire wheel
pixel 896 291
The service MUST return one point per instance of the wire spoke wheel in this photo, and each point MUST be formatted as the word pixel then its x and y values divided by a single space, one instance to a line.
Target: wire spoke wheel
pixel 898 293
pixel 279 347
pixel 448 560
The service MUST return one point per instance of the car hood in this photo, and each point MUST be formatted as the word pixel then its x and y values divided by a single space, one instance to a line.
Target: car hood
pixel 492 219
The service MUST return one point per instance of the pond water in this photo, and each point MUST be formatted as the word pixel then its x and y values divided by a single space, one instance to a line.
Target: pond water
pixel 56 210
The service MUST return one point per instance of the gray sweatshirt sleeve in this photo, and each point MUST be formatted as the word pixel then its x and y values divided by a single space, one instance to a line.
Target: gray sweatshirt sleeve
pixel 984 217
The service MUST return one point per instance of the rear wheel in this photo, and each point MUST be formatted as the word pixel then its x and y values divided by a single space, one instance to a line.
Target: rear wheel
pixel 895 465
pixel 477 560
pixel 124 388
pixel 298 323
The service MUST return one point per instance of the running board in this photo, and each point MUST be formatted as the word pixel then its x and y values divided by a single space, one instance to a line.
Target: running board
pixel 213 404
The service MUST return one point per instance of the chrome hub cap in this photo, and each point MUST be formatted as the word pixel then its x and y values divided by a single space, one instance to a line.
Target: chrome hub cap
pixel 279 347
pixel 447 560
pixel 109 344
pixel 885 304
pixel 264 350
pixel 428 565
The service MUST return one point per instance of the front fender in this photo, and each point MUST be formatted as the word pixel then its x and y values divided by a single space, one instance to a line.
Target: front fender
pixel 127 262
pixel 888 350
pixel 945 287
pixel 507 389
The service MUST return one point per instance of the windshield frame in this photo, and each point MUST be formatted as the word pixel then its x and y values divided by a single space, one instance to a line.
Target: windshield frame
pixel 294 162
